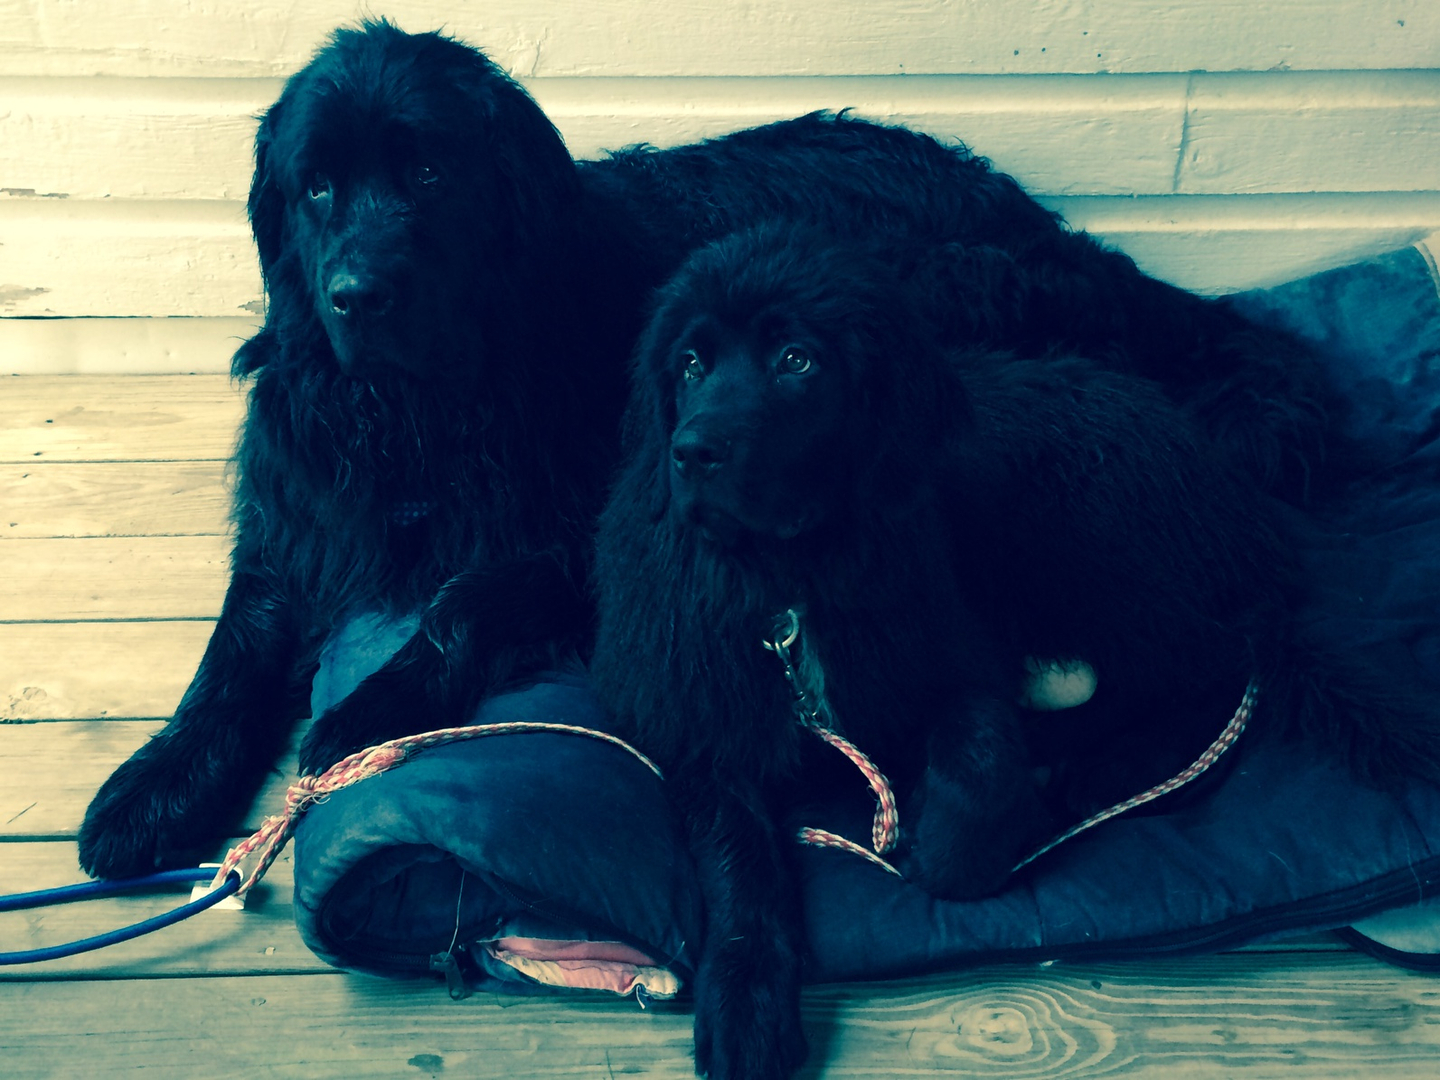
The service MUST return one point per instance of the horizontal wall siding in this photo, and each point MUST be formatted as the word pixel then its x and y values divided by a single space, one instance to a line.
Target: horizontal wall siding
pixel 119 345
pixel 1222 144
pixel 774 37
pixel 196 259
pixel 126 138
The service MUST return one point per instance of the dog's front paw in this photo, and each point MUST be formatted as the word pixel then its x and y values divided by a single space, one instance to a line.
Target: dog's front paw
pixel 151 814
pixel 747 1021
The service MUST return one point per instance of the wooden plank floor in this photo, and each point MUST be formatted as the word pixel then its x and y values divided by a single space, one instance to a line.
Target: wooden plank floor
pixel 112 564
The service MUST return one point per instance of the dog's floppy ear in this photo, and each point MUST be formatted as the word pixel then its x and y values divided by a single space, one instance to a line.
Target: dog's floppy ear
pixel 534 168
pixel 255 353
pixel 266 207
pixel 266 204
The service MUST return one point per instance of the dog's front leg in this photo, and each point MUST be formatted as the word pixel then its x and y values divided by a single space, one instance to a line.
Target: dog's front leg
pixel 975 813
pixel 485 628
pixel 747 990
pixel 180 791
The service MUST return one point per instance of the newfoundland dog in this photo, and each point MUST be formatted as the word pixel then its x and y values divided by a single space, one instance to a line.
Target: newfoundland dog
pixel 798 442
pixel 435 392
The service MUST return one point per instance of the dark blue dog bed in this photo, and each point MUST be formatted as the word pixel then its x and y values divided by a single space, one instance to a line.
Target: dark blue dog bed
pixel 527 861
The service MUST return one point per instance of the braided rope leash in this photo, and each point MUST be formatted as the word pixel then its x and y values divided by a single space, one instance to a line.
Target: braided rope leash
pixel 1212 753
pixel 275 832
pixel 885 827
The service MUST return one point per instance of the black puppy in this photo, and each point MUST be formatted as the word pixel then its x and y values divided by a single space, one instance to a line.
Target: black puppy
pixel 436 389
pixel 797 440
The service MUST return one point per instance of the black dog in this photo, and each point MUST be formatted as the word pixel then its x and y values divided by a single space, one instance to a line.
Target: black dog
pixel 436 389
pixel 420 434
pixel 798 441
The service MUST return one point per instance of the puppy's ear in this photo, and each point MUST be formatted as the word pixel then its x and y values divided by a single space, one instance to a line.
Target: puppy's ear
pixel 650 416
pixel 266 204
pixel 911 398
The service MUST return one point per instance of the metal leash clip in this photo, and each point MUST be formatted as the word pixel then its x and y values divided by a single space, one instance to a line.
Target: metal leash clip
pixel 786 633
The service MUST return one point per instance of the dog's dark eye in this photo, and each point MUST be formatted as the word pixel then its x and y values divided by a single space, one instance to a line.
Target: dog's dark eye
pixel 794 362
pixel 424 174
pixel 691 366
pixel 319 186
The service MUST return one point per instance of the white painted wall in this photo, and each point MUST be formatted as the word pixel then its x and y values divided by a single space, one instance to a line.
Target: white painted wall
pixel 1222 143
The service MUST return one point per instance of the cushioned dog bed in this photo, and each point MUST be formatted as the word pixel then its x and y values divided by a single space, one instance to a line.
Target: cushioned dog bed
pixel 527 862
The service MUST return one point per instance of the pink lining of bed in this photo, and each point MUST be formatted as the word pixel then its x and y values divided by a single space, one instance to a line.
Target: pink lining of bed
pixel 588 965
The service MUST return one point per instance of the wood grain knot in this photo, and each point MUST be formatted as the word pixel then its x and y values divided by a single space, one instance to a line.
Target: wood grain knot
pixel 996 1030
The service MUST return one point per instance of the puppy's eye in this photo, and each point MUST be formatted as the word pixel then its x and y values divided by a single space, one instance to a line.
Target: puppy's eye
pixel 691 366
pixel 320 186
pixel 794 362
pixel 425 175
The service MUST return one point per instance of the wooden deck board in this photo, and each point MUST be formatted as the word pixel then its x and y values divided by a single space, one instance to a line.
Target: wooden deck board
pixel 260 940
pixel 125 418
pixel 109 670
pixel 1198 1018
pixel 133 498
pixel 52 770
pixel 113 577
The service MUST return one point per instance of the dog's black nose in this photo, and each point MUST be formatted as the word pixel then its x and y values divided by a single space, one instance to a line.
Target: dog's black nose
pixel 697 452
pixel 356 296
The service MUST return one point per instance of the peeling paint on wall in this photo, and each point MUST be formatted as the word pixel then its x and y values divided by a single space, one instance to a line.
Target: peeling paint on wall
pixel 10 295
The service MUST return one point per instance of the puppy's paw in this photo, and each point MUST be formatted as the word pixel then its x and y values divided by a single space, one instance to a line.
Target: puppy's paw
pixel 948 878
pixel 327 742
pixel 381 708
pixel 957 850
pixel 149 815
pixel 747 1021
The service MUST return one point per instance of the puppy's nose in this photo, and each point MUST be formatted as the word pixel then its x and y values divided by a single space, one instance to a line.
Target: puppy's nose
pixel 697 453
pixel 357 296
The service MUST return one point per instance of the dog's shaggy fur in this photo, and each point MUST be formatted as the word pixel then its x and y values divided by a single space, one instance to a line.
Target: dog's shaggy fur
pixel 435 391
pixel 419 435
pixel 798 440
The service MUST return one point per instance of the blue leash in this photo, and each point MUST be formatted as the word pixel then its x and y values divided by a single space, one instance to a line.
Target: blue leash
pixel 94 890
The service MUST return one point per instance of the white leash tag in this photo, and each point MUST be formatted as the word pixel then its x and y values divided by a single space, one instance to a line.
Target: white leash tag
pixel 204 888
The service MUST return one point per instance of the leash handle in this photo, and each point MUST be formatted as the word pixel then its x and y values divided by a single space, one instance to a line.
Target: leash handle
pixel 96 890
pixel 90 890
